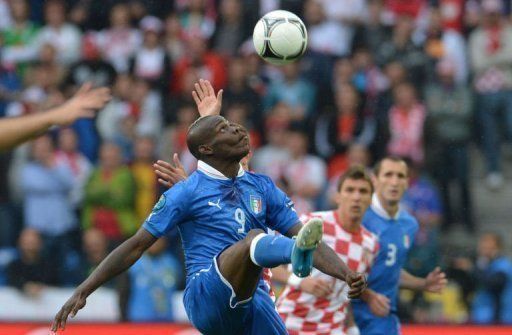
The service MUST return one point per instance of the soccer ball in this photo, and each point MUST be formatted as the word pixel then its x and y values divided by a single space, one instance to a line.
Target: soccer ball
pixel 280 37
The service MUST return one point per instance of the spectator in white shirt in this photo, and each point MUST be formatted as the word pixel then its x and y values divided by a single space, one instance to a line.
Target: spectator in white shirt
pixel 304 175
pixel 333 21
pixel 68 154
pixel 65 37
pixel 151 61
pixel 119 42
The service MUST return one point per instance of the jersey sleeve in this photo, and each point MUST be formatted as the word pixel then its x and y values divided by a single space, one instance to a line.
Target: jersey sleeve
pixel 371 248
pixel 375 250
pixel 169 211
pixel 413 230
pixel 281 214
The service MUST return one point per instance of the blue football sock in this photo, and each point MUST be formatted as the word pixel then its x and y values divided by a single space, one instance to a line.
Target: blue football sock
pixel 269 251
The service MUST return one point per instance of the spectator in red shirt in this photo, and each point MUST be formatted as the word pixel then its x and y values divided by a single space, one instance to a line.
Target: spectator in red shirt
pixel 208 65
pixel 406 120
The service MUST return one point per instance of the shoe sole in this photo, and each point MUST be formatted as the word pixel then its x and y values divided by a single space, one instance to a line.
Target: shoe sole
pixel 310 234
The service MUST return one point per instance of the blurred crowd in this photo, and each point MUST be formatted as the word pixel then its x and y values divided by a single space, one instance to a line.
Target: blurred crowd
pixel 410 78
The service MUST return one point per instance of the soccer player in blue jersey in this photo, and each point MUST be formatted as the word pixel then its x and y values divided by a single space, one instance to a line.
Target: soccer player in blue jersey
pixel 375 312
pixel 222 214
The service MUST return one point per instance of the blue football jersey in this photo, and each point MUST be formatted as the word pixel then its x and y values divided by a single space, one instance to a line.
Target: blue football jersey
pixel 396 236
pixel 212 212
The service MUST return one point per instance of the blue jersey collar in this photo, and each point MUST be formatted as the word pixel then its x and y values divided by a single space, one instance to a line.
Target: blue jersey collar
pixel 380 211
pixel 212 172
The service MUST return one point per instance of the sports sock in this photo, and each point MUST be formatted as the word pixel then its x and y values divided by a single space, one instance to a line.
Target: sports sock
pixel 269 251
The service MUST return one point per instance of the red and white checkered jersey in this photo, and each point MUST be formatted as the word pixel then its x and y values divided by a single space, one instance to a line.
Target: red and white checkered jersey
pixel 305 314
pixel 267 279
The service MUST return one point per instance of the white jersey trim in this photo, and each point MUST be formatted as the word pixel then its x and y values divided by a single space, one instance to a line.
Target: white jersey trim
pixel 380 211
pixel 233 294
pixel 212 172
pixel 252 249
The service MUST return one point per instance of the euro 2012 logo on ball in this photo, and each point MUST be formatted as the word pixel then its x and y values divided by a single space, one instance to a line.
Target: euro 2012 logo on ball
pixel 280 37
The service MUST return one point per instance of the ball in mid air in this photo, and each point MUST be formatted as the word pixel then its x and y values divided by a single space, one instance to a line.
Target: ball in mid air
pixel 280 37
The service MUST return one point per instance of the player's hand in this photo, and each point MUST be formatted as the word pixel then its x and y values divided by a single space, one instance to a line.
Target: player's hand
pixel 435 281
pixel 316 286
pixel 206 101
pixel 357 283
pixel 245 162
pixel 463 263
pixel 170 174
pixel 71 307
pixel 379 304
pixel 83 104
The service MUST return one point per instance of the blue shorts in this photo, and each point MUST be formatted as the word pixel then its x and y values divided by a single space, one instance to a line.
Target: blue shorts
pixel 213 308
pixel 370 324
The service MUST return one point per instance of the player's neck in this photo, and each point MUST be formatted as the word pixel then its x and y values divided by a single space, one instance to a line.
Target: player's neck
pixel 348 223
pixel 390 207
pixel 29 258
pixel 227 168
pixel 352 226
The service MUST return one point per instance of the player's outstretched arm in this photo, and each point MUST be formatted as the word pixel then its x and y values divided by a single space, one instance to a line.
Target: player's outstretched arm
pixel 116 262
pixel 84 103
pixel 434 282
pixel 206 101
pixel 327 261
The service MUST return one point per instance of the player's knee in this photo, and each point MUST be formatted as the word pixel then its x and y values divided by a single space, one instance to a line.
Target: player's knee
pixel 252 234
pixel 249 238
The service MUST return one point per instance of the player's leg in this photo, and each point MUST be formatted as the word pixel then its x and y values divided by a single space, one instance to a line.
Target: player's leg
pixel 264 318
pixel 241 263
pixel 236 267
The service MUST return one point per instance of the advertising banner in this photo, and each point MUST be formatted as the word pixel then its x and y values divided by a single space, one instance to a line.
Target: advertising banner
pixel 183 329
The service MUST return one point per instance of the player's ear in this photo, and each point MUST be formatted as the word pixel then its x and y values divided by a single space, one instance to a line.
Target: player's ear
pixel 337 197
pixel 374 180
pixel 205 150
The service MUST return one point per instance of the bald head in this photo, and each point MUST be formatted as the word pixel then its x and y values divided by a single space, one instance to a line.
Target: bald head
pixel 202 132
pixel 217 141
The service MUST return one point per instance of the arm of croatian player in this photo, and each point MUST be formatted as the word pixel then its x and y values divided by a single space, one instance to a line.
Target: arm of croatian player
pixel 434 282
pixel 83 104
pixel 116 262
pixel 315 286
pixel 206 101
pixel 327 261
pixel 281 216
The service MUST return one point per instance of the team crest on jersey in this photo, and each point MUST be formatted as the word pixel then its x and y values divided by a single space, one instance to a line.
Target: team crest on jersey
pixel 256 204
pixel 407 241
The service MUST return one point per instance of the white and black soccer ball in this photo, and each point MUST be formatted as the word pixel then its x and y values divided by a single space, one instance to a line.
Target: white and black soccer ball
pixel 280 37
